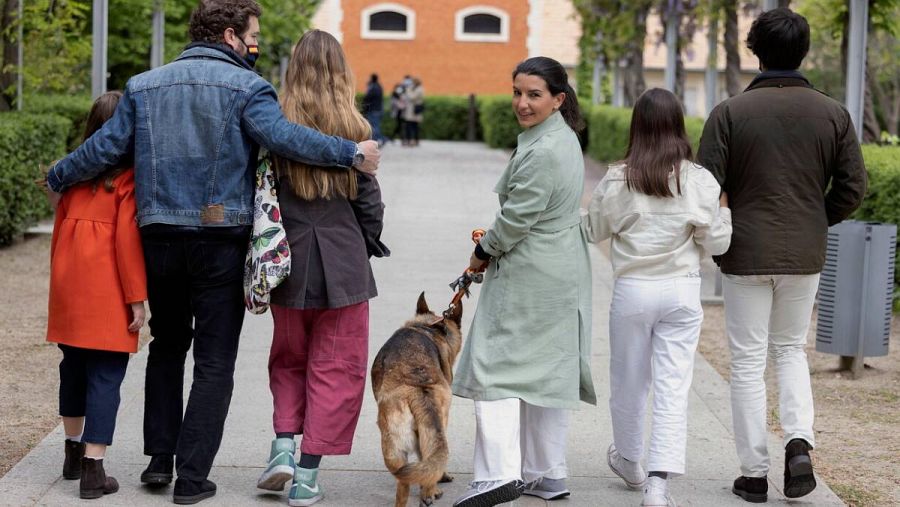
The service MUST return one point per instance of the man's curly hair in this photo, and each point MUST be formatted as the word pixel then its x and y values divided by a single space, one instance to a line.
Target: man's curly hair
pixel 211 17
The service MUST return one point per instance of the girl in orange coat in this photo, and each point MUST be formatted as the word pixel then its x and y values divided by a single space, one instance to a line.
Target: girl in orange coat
pixel 97 291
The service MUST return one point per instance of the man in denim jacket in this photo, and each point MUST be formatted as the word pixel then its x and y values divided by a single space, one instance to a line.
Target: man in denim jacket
pixel 194 127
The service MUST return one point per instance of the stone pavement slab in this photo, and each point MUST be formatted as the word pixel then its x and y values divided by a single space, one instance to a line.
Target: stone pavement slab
pixel 435 195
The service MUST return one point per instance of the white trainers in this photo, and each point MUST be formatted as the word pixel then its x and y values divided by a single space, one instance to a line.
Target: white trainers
pixel 656 493
pixel 548 489
pixel 489 493
pixel 631 472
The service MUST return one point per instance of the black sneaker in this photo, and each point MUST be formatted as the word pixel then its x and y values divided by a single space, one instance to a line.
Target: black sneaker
pixel 489 493
pixel 799 479
pixel 751 489
pixel 189 492
pixel 159 471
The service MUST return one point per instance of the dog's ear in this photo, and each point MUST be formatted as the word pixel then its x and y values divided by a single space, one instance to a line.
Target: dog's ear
pixel 421 305
pixel 454 313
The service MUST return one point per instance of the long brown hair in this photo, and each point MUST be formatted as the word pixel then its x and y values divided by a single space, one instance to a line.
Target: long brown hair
pixel 319 92
pixel 102 110
pixel 657 144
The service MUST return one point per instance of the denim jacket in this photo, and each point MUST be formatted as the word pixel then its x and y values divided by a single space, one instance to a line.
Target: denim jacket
pixel 195 127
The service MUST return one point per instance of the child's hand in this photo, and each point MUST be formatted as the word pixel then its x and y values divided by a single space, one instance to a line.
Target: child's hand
pixel 723 200
pixel 137 310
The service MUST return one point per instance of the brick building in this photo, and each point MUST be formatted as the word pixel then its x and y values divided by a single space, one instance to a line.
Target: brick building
pixel 456 47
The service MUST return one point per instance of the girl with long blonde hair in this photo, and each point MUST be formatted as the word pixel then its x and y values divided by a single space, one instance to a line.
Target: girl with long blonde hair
pixel 333 219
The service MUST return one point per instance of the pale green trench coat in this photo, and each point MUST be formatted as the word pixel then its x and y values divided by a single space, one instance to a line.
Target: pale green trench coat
pixel 531 334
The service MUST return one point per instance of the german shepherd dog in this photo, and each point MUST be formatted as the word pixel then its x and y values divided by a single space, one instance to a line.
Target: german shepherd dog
pixel 411 379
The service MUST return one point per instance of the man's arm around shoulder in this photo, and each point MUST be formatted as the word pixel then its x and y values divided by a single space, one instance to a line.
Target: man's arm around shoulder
pixel 103 149
pixel 265 123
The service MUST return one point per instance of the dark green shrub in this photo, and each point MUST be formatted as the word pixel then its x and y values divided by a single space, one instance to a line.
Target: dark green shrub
pixel 882 202
pixel 609 126
pixel 498 122
pixel 75 108
pixel 26 140
pixel 446 118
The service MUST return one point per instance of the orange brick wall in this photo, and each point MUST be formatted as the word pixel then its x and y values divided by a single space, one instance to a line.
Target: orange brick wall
pixel 445 66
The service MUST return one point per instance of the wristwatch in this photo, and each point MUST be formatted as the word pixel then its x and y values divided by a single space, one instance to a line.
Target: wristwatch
pixel 358 157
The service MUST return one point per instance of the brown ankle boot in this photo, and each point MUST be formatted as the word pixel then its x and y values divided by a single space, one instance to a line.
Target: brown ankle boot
pixel 94 481
pixel 72 464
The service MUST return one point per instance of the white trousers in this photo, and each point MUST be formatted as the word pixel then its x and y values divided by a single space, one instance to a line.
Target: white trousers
pixel 515 440
pixel 768 313
pixel 654 327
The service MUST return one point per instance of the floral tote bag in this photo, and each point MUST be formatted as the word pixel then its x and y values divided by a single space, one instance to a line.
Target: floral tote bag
pixel 268 257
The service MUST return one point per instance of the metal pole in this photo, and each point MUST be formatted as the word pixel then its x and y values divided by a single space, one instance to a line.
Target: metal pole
pixel 157 49
pixel 98 66
pixel 858 361
pixel 712 66
pixel 20 87
pixel 768 5
pixel 856 62
pixel 618 87
pixel 671 46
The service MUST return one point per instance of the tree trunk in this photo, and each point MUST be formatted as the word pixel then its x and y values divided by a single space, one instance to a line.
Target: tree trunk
pixel 634 70
pixel 732 57
pixel 10 54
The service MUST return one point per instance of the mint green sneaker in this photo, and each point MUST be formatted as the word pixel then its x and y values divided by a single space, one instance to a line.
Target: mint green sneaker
pixel 305 490
pixel 281 465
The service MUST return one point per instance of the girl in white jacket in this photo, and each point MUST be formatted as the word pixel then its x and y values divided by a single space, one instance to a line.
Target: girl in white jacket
pixel 662 212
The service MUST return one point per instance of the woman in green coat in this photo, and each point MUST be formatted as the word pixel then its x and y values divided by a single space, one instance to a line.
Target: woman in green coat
pixel 526 360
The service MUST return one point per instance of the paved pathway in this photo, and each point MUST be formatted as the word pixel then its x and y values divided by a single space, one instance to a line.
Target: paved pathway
pixel 435 195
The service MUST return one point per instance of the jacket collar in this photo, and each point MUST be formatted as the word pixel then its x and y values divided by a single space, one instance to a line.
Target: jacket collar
pixel 212 50
pixel 553 122
pixel 778 78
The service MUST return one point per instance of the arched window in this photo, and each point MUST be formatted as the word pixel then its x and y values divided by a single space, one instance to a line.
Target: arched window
pixel 388 21
pixel 482 23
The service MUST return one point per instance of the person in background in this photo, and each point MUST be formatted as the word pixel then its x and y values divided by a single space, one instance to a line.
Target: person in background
pixel 397 107
pixel 663 213
pixel 789 160
pixel 414 111
pixel 373 108
pixel 98 286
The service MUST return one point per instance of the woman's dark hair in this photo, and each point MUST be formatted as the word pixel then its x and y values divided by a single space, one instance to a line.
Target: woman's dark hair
pixel 553 73
pixel 779 38
pixel 211 17
pixel 657 144
pixel 102 110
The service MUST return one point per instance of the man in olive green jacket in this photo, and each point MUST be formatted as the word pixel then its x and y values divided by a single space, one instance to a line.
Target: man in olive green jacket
pixel 788 158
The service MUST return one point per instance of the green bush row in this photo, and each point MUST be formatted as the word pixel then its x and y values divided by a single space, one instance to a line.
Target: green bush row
pixel 26 141
pixel 445 118
pixel 75 108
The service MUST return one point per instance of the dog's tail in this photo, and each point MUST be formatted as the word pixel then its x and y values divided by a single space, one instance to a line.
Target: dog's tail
pixel 432 444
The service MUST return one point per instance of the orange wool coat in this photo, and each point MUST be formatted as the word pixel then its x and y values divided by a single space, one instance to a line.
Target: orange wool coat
pixel 96 267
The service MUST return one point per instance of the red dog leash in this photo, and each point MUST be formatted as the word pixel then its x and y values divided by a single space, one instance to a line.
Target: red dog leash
pixel 461 284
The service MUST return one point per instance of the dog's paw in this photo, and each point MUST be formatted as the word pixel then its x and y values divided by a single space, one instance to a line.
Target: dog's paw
pixel 438 493
pixel 426 502
pixel 446 478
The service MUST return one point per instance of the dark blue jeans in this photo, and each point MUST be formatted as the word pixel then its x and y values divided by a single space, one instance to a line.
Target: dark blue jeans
pixel 89 382
pixel 374 119
pixel 195 291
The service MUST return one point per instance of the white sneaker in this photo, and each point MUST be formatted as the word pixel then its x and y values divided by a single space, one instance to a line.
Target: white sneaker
pixel 489 493
pixel 630 471
pixel 656 493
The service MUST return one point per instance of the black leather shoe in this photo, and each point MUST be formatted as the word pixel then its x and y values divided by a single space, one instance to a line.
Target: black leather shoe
pixel 190 492
pixel 751 489
pixel 159 471
pixel 799 479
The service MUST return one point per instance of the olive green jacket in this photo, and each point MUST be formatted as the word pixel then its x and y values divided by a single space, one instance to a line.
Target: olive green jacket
pixel 531 334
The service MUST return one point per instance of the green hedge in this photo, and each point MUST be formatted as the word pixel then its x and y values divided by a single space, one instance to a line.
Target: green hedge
pixel 498 121
pixel 609 126
pixel 25 141
pixel 445 118
pixel 75 108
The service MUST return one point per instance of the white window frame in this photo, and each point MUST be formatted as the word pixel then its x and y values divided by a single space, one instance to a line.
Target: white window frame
pixel 365 17
pixel 461 15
